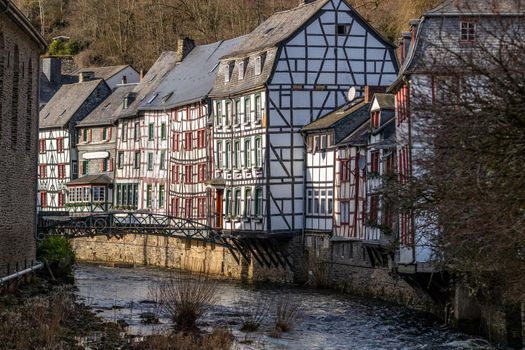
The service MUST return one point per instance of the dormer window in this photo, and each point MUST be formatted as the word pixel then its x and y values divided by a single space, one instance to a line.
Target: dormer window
pixel 258 65
pixel 227 73
pixel 241 70
pixel 468 31
pixel 375 121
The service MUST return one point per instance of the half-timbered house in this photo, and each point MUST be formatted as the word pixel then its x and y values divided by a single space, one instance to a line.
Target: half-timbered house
pixel 58 156
pixel 136 139
pixel 20 49
pixel 291 70
pixel 181 109
pixel 96 144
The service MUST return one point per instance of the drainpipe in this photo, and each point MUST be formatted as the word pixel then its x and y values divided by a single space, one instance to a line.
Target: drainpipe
pixel 305 168
pixel 21 273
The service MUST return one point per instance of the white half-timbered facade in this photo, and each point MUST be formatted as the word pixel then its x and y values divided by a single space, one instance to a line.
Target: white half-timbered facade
pixel 300 64
pixel 58 156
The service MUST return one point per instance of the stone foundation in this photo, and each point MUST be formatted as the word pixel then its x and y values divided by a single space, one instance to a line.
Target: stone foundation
pixel 177 253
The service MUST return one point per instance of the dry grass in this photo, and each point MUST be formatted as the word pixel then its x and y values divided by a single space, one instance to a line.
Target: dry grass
pixel 253 314
pixel 286 313
pixel 186 297
pixel 219 339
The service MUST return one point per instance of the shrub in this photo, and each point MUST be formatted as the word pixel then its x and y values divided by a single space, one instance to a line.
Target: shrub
pixel 187 297
pixel 57 254
pixel 59 47
pixel 286 313
pixel 253 314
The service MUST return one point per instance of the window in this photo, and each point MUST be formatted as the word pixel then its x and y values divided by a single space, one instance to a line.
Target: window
pixel 237 115
pixel 236 151
pixel 374 162
pixel 330 201
pixel 241 70
pixel 247 109
pixel 85 133
pixel 176 175
pixel 402 104
pixel 161 196
pixel 151 132
pixel 376 119
pixel 152 98
pixel 218 111
pixel 188 174
pixel 149 190
pixel 227 155
pixel 99 194
pixel 258 201
pixel 42 146
pixel 61 171
pixel 310 202
pixel 162 164
pixel 175 206
pixel 390 164
pixel 343 29
pixel 258 108
pixel 228 113
pixel 404 164
pixel 163 131
pixel 85 167
pixel 120 160
pixel 228 203
pixel 125 132
pixel 105 165
pixel 345 170
pixel 227 72
pixel 238 202
pixel 104 133
pixel 201 172
pixel 323 202
pixel 201 207
pixel 60 200
pixel 374 209
pixel 258 65
pixel 189 208
pixel 345 213
pixel 136 160
pixel 316 202
pixel 42 169
pixel 201 138
pixel 175 142
pixel 136 131
pixel 150 161
pixel 187 141
pixel 247 153
pixel 219 156
pixel 468 31
pixel 258 152
pixel 248 203
pixel 60 145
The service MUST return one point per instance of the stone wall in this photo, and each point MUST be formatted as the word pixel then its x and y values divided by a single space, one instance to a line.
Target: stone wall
pixel 19 71
pixel 175 253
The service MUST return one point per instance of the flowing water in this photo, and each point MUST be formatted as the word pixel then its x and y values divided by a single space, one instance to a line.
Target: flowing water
pixel 327 320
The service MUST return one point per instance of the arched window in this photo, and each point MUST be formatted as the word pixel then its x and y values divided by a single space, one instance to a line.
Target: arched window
pixel 14 98
pixel 29 105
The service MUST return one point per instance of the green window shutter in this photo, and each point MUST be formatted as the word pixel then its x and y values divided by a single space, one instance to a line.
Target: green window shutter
pixel 151 132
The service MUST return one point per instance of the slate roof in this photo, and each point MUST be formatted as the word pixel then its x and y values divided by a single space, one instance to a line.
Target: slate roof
pixel 473 7
pixel 359 137
pixel 105 73
pixel 149 84
pixel 386 101
pixel 277 28
pixel 192 79
pixel 48 89
pixel 101 179
pixel 105 113
pixel 65 103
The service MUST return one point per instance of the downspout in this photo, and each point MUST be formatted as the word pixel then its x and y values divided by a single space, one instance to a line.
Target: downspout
pixel 305 155
pixel 18 274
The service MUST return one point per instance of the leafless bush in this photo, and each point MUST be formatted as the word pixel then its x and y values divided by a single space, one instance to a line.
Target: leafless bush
pixel 319 274
pixel 219 339
pixel 253 313
pixel 186 297
pixel 286 313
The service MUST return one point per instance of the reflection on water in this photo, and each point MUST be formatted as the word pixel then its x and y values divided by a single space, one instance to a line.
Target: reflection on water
pixel 328 320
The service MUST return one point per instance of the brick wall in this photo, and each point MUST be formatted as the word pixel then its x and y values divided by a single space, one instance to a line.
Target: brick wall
pixel 18 142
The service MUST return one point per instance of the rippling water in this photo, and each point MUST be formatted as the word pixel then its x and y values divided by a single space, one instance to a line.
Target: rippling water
pixel 328 320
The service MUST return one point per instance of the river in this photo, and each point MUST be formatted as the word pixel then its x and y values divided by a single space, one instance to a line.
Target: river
pixel 328 320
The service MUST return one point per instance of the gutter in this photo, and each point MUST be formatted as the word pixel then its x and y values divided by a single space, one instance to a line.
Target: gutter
pixel 18 274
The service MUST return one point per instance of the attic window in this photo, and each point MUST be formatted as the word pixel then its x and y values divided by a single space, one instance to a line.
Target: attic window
pixel 268 30
pixel 227 73
pixel 258 65
pixel 343 29
pixel 107 105
pixel 241 70
pixel 63 112
pixel 47 115
pixel 153 77
pixel 214 67
pixel 152 98
pixel 167 97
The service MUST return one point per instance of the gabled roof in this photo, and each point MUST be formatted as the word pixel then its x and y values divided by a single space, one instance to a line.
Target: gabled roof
pixel 7 6
pixel 65 103
pixel 330 120
pixel 277 28
pixel 101 179
pixel 105 113
pixel 144 90
pixel 192 79
pixel 359 137
pixel 385 101
pixel 105 73
pixel 478 7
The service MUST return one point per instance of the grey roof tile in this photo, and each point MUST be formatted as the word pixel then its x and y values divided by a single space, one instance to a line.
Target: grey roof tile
pixel 105 73
pixel 105 113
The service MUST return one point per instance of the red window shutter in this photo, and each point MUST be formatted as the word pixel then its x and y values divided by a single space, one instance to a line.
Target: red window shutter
pixel 110 161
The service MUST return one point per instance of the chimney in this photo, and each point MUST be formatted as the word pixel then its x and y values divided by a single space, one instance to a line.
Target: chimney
pixel 85 76
pixel 184 47
pixel 142 74
pixel 52 69
pixel 404 46
pixel 370 91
